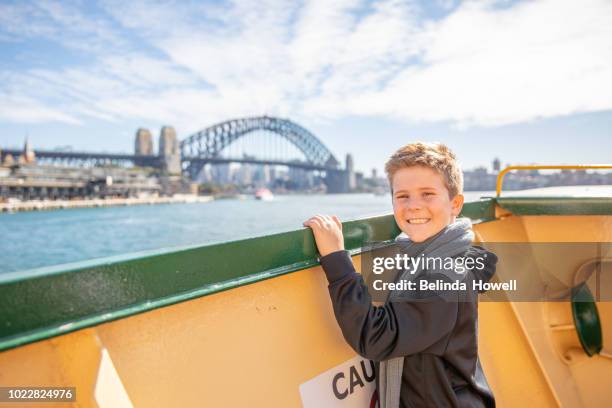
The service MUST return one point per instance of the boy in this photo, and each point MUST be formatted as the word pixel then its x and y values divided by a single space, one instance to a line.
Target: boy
pixel 426 352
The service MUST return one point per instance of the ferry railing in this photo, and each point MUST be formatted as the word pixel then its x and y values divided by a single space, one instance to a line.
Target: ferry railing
pixel 56 300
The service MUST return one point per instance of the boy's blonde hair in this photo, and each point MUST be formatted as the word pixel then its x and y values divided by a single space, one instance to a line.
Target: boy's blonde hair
pixel 436 156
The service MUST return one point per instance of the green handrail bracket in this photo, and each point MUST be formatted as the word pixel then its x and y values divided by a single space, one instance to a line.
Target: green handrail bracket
pixel 586 320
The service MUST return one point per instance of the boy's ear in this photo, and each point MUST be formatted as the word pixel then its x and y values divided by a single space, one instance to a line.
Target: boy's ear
pixel 457 204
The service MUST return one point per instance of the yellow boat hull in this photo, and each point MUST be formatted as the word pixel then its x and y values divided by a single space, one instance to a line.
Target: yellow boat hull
pixel 255 345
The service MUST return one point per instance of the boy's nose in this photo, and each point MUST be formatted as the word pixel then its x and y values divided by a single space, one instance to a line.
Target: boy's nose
pixel 414 204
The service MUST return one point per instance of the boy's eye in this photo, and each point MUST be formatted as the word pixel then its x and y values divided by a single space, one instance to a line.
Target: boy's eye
pixel 428 193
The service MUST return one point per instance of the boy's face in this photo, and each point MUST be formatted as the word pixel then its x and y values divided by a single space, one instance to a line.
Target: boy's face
pixel 421 202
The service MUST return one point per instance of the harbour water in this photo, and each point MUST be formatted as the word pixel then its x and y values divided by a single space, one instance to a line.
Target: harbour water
pixel 36 239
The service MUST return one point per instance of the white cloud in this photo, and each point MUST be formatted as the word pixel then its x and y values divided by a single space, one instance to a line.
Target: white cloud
pixel 486 66
pixel 62 22
pixel 25 110
pixel 489 67
pixel 481 65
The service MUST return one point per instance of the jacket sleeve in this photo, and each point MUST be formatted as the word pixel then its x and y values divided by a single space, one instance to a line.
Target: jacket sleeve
pixel 381 332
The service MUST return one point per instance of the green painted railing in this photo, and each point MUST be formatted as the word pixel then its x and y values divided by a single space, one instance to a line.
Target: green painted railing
pixel 47 302
pixel 557 205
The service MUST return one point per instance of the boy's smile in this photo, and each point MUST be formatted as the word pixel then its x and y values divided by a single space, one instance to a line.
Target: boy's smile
pixel 421 203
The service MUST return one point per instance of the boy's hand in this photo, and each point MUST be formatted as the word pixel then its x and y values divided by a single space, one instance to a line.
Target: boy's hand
pixel 327 232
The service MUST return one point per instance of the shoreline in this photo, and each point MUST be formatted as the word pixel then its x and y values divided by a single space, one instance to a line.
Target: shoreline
pixel 93 203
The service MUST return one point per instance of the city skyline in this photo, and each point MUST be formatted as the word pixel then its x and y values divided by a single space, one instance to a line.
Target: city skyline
pixel 522 81
pixel 478 151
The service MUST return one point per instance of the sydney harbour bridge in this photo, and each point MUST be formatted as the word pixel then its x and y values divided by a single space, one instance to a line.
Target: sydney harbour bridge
pixel 216 145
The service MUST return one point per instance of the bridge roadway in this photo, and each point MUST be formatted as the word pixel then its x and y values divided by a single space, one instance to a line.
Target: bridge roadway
pixel 154 161
pixel 220 160
pixel 83 156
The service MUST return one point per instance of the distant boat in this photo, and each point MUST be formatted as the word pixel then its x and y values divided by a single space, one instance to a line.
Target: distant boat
pixel 264 194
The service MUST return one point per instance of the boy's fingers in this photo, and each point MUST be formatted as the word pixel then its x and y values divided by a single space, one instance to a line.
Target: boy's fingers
pixel 314 217
pixel 314 223
pixel 337 221
pixel 327 220
pixel 323 222
pixel 308 223
pixel 331 221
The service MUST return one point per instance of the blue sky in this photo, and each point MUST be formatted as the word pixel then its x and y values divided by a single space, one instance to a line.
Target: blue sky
pixel 526 81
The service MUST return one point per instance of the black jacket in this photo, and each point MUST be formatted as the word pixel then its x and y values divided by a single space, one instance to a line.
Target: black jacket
pixel 437 338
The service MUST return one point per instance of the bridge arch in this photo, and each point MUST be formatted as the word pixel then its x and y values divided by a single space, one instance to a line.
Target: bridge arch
pixel 209 142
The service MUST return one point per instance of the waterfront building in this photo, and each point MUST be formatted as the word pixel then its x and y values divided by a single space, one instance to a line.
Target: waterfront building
pixel 8 160
pixel 205 175
pixel 359 180
pixel 496 165
pixel 350 173
pixel 221 173
pixel 27 156
pixel 261 176
pixel 272 174
pixel 30 181
pixel 244 174
pixel 300 179
pixel 479 179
